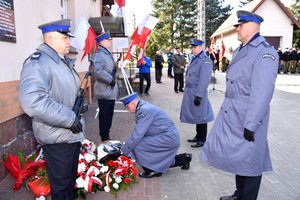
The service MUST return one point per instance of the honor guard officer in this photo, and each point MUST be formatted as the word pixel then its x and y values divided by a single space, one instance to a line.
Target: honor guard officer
pixel 105 88
pixel 154 141
pixel 48 88
pixel 237 142
pixel 198 75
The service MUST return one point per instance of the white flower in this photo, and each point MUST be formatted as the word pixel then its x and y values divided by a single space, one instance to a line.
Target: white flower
pixel 104 169
pixel 81 167
pixel 106 189
pixel 118 179
pixel 80 182
pixel 116 185
pixel 89 157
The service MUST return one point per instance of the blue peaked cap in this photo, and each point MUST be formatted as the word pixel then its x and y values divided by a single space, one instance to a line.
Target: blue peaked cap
pixel 103 36
pixel 127 99
pixel 196 42
pixel 246 16
pixel 62 26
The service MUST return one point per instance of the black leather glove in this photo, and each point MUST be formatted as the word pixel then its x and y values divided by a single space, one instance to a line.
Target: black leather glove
pixel 76 126
pixel 249 135
pixel 113 83
pixel 197 101
pixel 84 109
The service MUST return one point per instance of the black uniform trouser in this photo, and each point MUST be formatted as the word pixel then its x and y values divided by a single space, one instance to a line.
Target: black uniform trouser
pixel 201 130
pixel 62 164
pixel 148 80
pixel 170 67
pixel 247 187
pixel 158 74
pixel 178 78
pixel 106 113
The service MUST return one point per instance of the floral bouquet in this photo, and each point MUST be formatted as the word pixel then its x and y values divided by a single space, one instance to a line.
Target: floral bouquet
pixel 21 167
pixel 39 183
pixel 103 172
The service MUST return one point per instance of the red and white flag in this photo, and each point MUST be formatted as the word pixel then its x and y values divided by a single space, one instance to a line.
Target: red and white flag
pixel 85 37
pixel 222 49
pixel 140 35
pixel 212 44
pixel 121 3
pixel 141 55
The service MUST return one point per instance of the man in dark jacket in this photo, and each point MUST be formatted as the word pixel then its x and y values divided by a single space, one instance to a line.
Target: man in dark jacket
pixel 178 61
pixel 159 60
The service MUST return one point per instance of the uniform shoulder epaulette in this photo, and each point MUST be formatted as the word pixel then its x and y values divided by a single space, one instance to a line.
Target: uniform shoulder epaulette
pixel 36 56
pixel 266 44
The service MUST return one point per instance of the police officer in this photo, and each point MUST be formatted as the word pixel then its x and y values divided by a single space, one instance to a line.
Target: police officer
pixel 154 141
pixel 105 88
pixel 237 142
pixel 48 88
pixel 195 107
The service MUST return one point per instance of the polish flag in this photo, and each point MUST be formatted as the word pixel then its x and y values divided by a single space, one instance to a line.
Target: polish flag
pixel 141 33
pixel 222 50
pixel 85 37
pixel 121 3
pixel 212 44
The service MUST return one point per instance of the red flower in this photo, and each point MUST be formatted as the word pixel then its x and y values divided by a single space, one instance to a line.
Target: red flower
pixel 127 180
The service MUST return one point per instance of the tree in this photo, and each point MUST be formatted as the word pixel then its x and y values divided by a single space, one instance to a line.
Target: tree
pixel 242 3
pixel 295 9
pixel 215 16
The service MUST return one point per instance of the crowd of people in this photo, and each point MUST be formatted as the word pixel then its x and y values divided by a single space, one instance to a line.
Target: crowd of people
pixel 237 142
pixel 289 60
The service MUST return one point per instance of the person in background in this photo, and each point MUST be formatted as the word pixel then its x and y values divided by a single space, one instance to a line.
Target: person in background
pixel 159 60
pixel 105 88
pixel 170 64
pixel 154 141
pixel 49 86
pixel 178 61
pixel 195 106
pixel 280 64
pixel 144 73
pixel 237 142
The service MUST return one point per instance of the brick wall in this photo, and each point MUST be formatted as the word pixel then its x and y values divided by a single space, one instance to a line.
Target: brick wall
pixel 16 126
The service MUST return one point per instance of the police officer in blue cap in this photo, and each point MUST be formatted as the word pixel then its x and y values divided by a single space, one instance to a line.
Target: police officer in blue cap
pixel 154 141
pixel 197 79
pixel 48 88
pixel 105 88
pixel 237 142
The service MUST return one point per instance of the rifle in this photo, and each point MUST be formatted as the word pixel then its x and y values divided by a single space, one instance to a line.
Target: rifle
pixel 114 71
pixel 80 97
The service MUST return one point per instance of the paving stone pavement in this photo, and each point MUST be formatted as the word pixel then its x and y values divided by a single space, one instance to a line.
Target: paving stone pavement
pixel 202 182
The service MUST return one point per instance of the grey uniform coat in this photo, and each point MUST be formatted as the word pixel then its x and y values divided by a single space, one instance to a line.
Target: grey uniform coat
pixel 104 66
pixel 197 79
pixel 250 83
pixel 155 140
pixel 48 88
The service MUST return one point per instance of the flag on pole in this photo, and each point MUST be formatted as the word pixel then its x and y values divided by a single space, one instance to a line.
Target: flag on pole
pixel 141 55
pixel 212 44
pixel 222 49
pixel 121 3
pixel 85 37
pixel 140 35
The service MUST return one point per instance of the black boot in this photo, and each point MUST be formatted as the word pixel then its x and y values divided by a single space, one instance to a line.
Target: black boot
pixel 188 159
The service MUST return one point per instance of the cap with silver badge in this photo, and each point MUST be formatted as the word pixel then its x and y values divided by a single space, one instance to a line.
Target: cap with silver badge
pixel 196 42
pixel 103 36
pixel 62 26
pixel 246 16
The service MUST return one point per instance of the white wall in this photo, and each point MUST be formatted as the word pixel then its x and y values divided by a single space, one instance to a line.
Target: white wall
pixel 29 15
pixel 276 23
